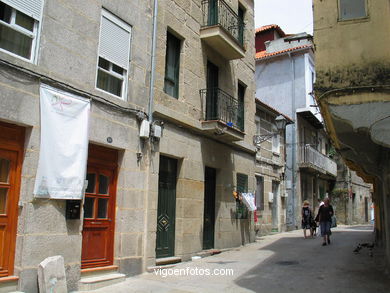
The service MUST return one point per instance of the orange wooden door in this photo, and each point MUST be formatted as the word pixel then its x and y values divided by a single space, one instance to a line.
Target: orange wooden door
pixel 11 151
pixel 8 210
pixel 99 214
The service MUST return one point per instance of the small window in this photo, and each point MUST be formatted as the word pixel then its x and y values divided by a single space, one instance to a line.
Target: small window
pixel 108 79
pixel 114 55
pixel 172 66
pixel 352 9
pixel 18 31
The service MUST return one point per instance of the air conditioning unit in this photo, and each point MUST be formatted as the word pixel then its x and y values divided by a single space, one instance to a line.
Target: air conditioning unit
pixel 270 197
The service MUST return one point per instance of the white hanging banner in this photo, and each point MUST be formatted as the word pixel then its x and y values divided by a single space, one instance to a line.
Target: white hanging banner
pixel 249 200
pixel 64 145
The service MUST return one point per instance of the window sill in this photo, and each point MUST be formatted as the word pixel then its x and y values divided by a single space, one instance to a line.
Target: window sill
pixel 111 95
pixel 353 20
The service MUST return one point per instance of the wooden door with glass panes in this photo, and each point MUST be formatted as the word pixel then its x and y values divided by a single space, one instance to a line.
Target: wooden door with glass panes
pixel 99 210
pixel 11 150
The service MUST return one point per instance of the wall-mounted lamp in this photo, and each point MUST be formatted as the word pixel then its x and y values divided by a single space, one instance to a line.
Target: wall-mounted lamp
pixel 280 122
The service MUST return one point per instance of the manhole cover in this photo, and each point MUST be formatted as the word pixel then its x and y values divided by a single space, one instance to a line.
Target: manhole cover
pixel 287 263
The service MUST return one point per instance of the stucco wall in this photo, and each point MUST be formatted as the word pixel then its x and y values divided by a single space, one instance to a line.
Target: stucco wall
pixel 273 79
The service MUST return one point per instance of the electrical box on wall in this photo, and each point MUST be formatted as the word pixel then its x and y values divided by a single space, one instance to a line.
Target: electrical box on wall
pixel 157 131
pixel 270 197
pixel 144 129
pixel 73 209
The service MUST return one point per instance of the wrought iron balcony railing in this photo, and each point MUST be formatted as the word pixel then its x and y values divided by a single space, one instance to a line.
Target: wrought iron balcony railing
pixel 314 157
pixel 223 107
pixel 218 12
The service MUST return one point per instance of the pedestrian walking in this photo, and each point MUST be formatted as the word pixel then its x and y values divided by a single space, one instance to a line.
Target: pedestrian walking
pixel 307 218
pixel 320 203
pixel 324 216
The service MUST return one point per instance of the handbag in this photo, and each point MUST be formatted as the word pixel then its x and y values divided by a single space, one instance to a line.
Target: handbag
pixel 334 222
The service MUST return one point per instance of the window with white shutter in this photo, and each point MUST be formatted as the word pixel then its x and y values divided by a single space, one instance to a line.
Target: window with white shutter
pixel 114 55
pixel 19 27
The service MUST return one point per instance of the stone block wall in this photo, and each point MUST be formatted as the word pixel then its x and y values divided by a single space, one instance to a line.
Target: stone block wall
pixel 67 54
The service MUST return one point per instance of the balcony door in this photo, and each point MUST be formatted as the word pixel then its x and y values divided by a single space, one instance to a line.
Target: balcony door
pixel 213 12
pixel 212 92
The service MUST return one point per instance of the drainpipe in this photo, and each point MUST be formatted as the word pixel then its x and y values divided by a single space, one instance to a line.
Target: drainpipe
pixel 153 63
pixel 150 117
pixel 293 140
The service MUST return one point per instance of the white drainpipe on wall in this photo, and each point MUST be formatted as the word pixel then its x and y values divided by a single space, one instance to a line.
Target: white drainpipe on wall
pixel 293 141
pixel 153 63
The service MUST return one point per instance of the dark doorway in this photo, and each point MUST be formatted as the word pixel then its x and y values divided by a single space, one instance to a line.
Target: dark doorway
pixel 209 208
pixel 166 210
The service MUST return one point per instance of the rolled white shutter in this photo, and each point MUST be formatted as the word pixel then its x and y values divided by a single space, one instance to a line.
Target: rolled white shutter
pixel 32 8
pixel 114 40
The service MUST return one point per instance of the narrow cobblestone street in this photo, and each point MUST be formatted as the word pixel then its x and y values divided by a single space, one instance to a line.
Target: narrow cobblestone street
pixel 284 262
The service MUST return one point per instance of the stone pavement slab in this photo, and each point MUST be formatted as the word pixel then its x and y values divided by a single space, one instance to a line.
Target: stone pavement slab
pixel 284 262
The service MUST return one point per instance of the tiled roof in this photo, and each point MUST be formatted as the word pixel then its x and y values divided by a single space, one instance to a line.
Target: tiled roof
pixel 271 26
pixel 273 109
pixel 264 54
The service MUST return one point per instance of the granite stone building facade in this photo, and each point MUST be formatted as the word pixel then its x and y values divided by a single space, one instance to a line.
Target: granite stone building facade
pixel 204 93
pixel 167 146
pixel 270 168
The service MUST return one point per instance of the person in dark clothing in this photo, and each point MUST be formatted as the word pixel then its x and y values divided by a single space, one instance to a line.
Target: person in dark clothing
pixel 324 216
pixel 307 218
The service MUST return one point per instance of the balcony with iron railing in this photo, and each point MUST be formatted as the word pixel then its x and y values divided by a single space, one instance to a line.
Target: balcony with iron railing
pixel 224 115
pixel 222 29
pixel 315 160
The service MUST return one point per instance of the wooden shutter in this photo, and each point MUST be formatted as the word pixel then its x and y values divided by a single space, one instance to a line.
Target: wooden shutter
pixel 114 44
pixel 32 8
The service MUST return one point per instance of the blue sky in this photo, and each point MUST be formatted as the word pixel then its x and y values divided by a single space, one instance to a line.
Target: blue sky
pixel 293 16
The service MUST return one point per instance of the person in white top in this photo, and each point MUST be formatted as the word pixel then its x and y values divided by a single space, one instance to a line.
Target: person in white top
pixel 320 203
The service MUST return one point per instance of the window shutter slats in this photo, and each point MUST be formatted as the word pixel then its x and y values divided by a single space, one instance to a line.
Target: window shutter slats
pixel 114 42
pixel 32 8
